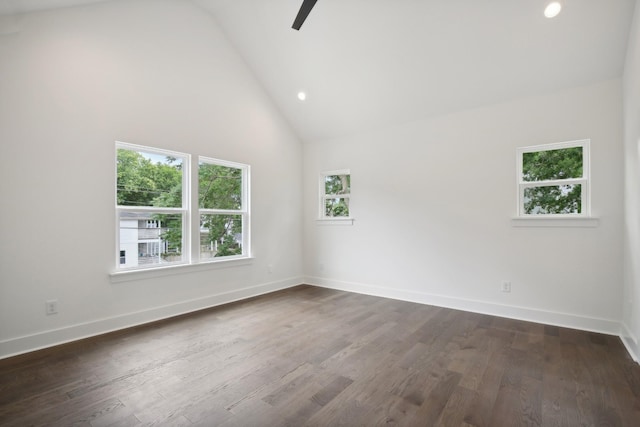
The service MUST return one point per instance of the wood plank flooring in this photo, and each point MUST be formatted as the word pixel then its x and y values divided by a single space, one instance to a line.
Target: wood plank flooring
pixel 309 356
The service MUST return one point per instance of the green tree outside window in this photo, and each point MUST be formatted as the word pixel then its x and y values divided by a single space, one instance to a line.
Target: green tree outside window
pixel 561 177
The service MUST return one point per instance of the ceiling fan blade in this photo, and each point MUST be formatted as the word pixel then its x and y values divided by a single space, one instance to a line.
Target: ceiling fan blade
pixel 306 7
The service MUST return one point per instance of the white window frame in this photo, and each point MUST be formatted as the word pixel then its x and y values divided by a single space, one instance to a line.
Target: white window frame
pixel 184 210
pixel 243 211
pixel 190 220
pixel 584 181
pixel 322 217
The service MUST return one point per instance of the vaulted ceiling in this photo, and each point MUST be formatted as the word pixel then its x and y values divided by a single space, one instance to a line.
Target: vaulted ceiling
pixel 371 63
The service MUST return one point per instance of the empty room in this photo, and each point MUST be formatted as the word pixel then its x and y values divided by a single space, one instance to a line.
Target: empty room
pixel 319 213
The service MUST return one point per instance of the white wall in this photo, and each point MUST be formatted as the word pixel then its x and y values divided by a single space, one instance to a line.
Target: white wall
pixel 631 90
pixel 151 72
pixel 433 202
pixel 432 199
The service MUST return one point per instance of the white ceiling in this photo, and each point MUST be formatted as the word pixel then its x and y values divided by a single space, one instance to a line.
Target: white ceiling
pixel 371 63
pixel 22 6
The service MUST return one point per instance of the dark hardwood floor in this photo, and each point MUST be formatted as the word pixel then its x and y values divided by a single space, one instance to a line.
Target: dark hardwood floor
pixel 318 357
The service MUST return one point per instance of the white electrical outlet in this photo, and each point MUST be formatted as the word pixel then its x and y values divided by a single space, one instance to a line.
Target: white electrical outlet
pixel 270 268
pixel 506 287
pixel 51 306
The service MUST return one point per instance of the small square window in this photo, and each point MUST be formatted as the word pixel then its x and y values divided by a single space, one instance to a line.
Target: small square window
pixel 553 179
pixel 335 194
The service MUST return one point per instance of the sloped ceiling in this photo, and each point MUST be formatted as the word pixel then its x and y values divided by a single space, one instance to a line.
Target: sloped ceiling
pixel 371 63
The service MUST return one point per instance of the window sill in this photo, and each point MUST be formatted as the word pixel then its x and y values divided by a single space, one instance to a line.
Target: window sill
pixel 541 221
pixel 150 273
pixel 335 221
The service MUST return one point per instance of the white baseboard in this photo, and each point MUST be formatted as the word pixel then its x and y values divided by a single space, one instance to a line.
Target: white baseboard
pixel 610 327
pixel 24 344
pixel 630 341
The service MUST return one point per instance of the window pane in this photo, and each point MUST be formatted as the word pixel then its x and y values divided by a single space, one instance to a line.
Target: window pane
pixel 220 235
pixel 148 179
pixel 142 245
pixel 220 187
pixel 558 199
pixel 337 184
pixel 336 207
pixel 552 164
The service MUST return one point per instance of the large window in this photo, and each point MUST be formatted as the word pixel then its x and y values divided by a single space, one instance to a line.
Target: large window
pixel 152 206
pixel 335 194
pixel 223 204
pixel 553 179
pixel 156 208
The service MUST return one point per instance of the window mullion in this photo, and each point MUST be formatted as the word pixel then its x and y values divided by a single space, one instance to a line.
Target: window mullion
pixel 222 211
pixel 584 198
pixel 150 209
pixel 552 183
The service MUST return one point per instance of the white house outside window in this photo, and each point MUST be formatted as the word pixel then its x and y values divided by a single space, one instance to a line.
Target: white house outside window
pixel 152 204
pixel 166 216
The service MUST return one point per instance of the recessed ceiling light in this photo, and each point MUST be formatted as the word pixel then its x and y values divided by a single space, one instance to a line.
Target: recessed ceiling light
pixel 553 9
pixel 302 96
